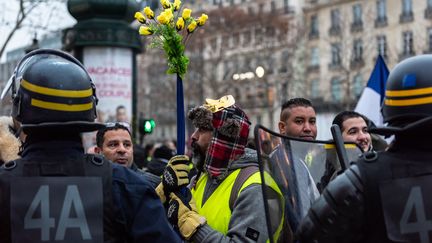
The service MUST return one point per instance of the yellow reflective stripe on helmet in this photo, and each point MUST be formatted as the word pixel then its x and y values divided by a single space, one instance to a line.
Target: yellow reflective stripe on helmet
pixel 408 102
pixel 331 146
pixel 412 92
pixel 56 92
pixel 60 106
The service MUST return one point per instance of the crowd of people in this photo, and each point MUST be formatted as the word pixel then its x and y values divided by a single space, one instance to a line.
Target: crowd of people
pixel 52 190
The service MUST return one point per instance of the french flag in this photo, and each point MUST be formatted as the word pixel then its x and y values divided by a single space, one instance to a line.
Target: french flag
pixel 373 95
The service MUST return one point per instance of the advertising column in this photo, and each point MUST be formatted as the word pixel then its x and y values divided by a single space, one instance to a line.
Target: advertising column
pixel 111 71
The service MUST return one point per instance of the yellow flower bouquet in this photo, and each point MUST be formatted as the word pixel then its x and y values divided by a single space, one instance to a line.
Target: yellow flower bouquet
pixel 170 32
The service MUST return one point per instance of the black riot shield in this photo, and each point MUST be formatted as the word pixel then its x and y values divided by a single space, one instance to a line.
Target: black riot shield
pixel 297 166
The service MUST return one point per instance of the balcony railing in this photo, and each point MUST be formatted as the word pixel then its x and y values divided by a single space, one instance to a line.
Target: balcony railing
pixel 406 17
pixel 313 35
pixel 334 30
pixel 357 26
pixel 357 63
pixel 381 22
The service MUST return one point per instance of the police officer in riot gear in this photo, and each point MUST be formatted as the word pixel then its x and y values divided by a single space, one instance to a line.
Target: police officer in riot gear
pixel 385 196
pixel 55 192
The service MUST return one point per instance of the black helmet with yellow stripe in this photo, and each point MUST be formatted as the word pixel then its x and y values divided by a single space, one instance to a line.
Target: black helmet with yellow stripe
pixel 408 100
pixel 52 89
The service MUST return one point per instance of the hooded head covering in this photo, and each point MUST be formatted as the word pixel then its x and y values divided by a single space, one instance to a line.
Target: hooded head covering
pixel 230 126
pixel 9 144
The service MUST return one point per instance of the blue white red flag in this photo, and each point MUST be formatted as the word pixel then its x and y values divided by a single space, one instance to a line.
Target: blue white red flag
pixel 372 97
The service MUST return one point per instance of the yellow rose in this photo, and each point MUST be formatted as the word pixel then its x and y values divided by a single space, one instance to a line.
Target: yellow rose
pixel 169 14
pixel 149 13
pixel 180 24
pixel 202 19
pixel 177 4
pixel 144 30
pixel 162 18
pixel 140 17
pixel 165 4
pixel 186 13
pixel 192 26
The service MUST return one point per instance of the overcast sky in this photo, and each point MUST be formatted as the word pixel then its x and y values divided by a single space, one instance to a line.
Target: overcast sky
pixel 45 18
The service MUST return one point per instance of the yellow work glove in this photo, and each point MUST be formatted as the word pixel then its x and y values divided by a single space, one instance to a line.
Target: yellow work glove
pixel 183 213
pixel 175 175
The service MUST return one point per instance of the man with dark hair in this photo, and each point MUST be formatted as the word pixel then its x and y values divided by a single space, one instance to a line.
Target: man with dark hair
pixel 121 114
pixel 114 141
pixel 298 119
pixel 354 128
pixel 384 196
pixel 55 192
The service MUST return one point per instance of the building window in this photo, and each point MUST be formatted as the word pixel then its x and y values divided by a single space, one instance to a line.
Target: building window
pixel 259 35
pixel 358 50
pixel 315 92
pixel 428 10
pixel 235 40
pixel 357 14
pixel 273 6
pixel 408 48
pixel 381 19
pixel 284 61
pixel 247 37
pixel 357 86
pixel 357 54
pixel 251 11
pixel 429 39
pixel 406 6
pixel 286 6
pixel 314 33
pixel 227 69
pixel 315 59
pixel 407 14
pixel 335 54
pixel 357 24
pixel 382 46
pixel 260 8
pixel 336 89
pixel 335 22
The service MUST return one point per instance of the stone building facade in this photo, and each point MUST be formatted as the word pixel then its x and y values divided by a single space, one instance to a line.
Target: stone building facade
pixel 345 37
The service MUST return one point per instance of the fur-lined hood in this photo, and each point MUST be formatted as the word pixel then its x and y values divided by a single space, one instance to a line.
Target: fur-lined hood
pixel 9 144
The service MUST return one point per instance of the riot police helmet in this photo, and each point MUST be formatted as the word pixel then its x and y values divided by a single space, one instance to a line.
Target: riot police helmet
pixel 407 104
pixel 52 89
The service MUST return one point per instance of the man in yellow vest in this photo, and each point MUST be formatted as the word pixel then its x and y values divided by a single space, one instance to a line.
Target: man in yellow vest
pixel 227 201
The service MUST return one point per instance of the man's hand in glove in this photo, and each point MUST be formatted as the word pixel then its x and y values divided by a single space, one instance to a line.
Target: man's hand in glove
pixel 182 212
pixel 175 175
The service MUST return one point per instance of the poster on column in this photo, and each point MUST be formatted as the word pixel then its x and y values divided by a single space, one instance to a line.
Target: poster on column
pixel 111 71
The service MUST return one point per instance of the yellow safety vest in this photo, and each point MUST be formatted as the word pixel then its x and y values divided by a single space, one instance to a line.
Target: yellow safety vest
pixel 216 209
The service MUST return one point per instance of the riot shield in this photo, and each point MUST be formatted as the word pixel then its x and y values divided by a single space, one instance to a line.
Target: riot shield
pixel 297 166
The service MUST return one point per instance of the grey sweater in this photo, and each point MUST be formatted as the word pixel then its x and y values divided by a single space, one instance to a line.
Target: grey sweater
pixel 248 214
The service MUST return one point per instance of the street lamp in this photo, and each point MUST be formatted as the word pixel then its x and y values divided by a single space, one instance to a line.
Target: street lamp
pixel 259 71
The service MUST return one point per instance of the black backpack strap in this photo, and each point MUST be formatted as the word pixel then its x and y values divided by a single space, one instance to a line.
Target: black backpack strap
pixel 243 175
pixel 97 165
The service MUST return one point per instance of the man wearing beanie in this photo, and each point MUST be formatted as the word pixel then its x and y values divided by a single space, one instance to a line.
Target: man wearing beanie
pixel 227 202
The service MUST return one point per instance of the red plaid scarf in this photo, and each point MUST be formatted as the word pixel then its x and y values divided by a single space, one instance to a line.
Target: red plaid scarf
pixel 230 135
